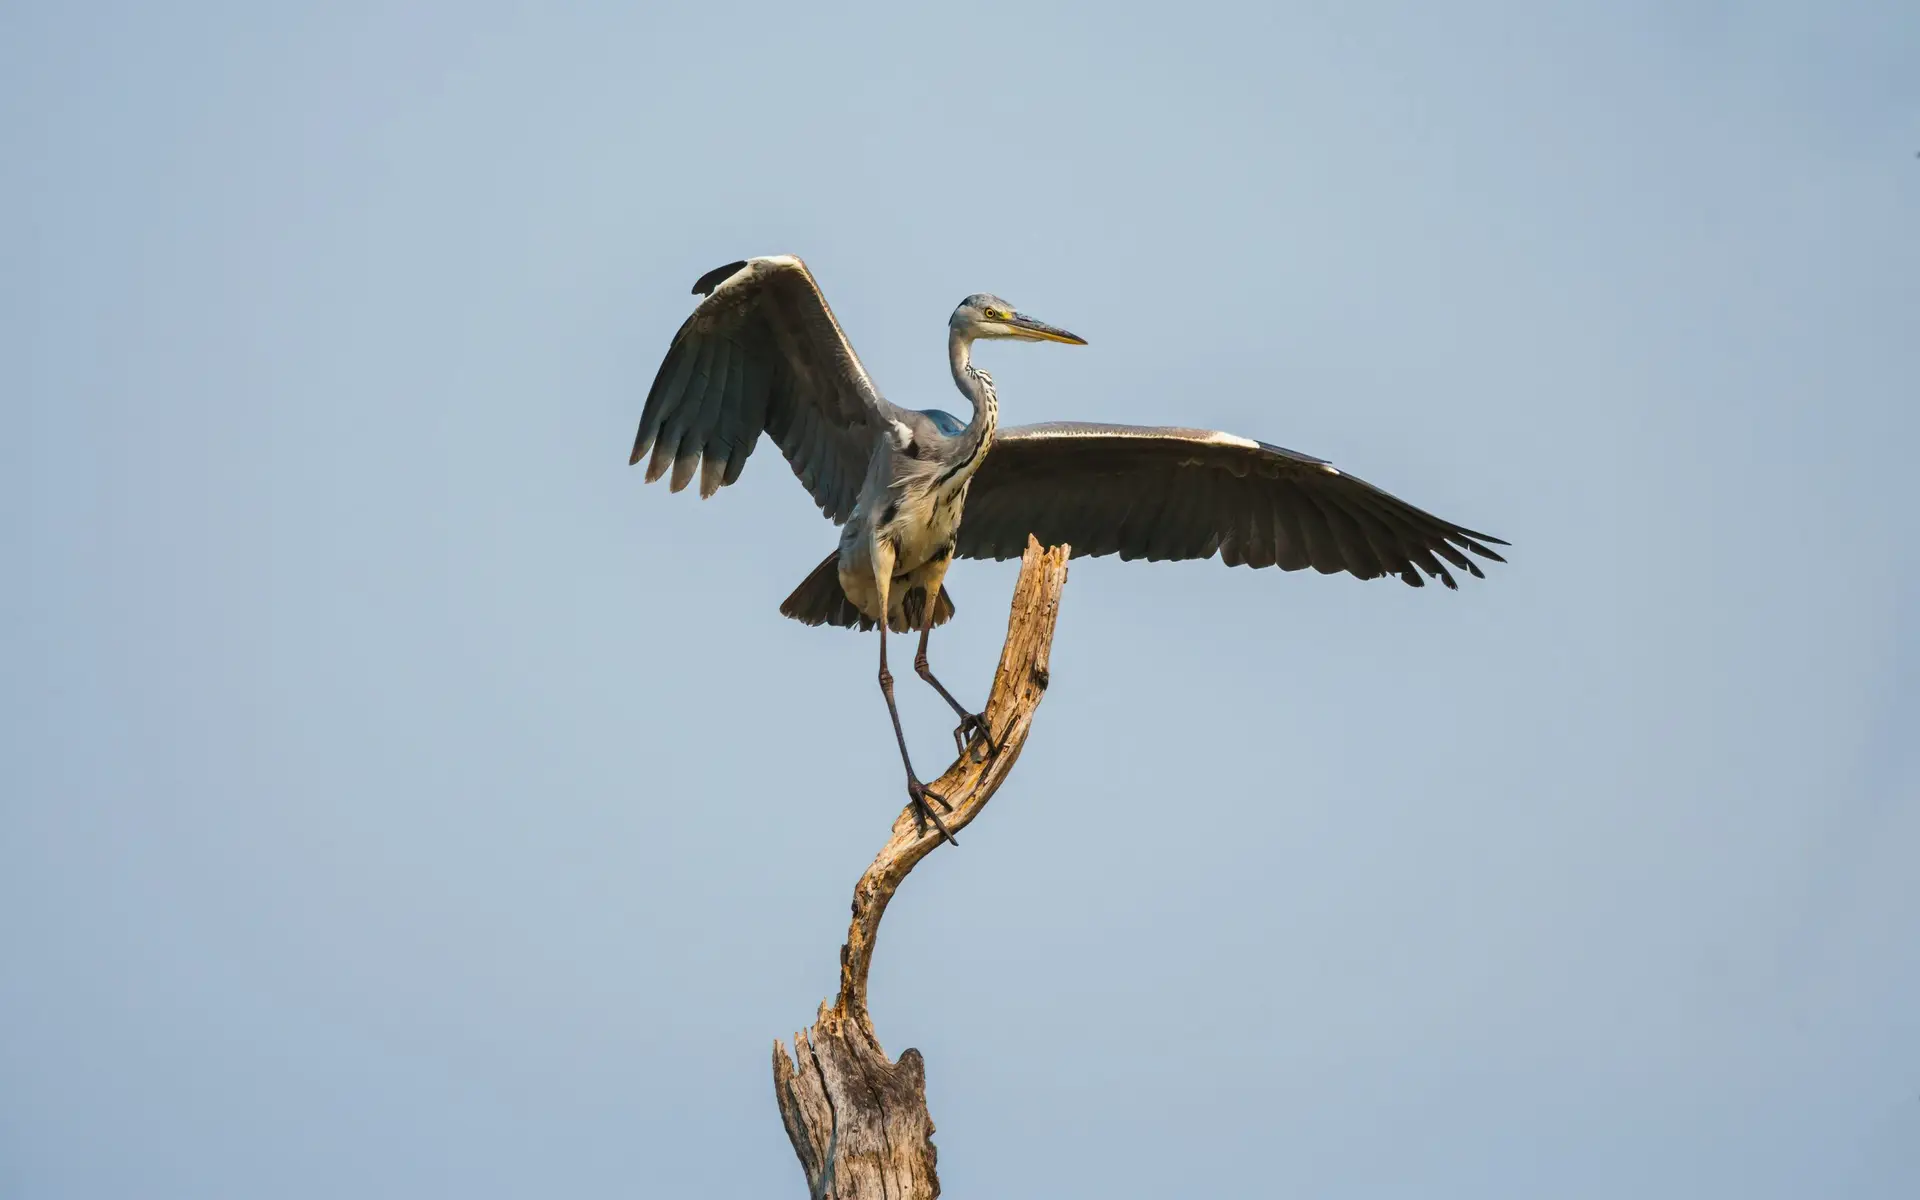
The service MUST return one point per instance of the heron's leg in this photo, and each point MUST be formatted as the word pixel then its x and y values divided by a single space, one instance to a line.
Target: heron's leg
pixel 972 724
pixel 919 791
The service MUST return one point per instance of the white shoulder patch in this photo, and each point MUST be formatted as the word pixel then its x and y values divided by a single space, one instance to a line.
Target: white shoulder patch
pixel 746 272
pixel 1217 438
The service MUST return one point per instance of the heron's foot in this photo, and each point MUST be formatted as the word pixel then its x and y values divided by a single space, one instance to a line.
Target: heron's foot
pixel 923 812
pixel 973 728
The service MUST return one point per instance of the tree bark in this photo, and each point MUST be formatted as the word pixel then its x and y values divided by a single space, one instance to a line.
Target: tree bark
pixel 858 1120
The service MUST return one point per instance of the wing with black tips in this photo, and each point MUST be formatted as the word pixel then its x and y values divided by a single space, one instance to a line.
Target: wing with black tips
pixel 1164 493
pixel 762 353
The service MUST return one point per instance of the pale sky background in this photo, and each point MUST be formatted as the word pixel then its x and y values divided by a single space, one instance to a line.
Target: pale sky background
pixel 402 800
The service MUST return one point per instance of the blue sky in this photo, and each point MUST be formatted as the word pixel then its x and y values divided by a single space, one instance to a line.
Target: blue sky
pixel 401 799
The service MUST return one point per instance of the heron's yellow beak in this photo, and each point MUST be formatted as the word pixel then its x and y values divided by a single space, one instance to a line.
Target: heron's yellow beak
pixel 1026 327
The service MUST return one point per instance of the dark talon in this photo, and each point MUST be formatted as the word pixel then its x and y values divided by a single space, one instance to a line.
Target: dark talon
pixel 922 813
pixel 974 725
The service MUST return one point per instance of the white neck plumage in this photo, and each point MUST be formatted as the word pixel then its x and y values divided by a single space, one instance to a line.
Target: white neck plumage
pixel 977 386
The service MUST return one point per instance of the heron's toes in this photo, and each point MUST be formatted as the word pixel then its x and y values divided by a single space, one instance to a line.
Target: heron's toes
pixel 923 813
pixel 973 728
pixel 926 793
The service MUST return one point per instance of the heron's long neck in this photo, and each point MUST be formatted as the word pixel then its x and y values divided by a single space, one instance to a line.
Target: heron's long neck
pixel 977 386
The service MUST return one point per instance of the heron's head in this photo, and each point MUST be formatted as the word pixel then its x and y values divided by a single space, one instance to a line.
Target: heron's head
pixel 984 316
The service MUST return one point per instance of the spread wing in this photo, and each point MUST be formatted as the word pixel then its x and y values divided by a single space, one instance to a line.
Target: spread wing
pixel 1158 493
pixel 763 353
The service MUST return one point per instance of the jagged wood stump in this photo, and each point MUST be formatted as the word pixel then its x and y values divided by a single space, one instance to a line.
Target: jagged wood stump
pixel 858 1120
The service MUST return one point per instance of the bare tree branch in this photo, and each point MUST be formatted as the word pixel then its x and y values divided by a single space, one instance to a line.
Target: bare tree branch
pixel 857 1120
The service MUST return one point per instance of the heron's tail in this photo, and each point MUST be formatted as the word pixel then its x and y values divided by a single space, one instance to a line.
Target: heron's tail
pixel 820 600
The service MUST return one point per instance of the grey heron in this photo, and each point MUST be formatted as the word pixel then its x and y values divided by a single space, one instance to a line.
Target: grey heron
pixel 913 489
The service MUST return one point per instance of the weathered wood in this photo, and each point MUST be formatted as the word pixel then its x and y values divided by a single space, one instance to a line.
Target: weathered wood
pixel 857 1120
